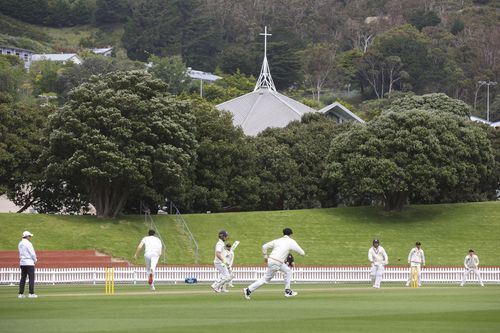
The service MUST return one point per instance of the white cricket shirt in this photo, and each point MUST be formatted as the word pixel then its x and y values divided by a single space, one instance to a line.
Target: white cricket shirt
pixel 281 248
pixel 27 255
pixel 219 247
pixel 416 256
pixel 471 261
pixel 378 256
pixel 152 246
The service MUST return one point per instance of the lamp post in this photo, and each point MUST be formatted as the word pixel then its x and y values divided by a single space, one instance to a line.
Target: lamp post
pixel 488 84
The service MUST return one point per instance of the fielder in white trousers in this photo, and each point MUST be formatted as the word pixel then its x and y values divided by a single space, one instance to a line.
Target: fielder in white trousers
pixel 281 247
pixel 471 263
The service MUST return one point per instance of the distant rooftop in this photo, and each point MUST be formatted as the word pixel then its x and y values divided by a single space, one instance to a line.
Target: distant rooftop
pixel 54 56
pixel 199 75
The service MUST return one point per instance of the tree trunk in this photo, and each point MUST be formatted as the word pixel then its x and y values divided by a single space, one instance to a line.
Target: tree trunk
pixel 395 201
pixel 108 199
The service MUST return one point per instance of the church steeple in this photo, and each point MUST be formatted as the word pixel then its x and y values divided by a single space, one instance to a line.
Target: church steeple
pixel 265 80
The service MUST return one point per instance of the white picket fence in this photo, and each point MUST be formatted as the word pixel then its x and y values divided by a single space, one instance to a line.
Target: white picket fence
pixel 203 274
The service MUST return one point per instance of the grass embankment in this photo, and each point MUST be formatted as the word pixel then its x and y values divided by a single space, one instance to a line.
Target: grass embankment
pixel 317 308
pixel 338 236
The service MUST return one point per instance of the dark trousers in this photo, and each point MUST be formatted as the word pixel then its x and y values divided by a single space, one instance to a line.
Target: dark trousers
pixel 30 272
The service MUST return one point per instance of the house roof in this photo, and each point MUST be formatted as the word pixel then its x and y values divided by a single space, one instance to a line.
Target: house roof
pixel 15 48
pixel 55 56
pixel 102 50
pixel 264 108
pixel 340 112
pixel 199 75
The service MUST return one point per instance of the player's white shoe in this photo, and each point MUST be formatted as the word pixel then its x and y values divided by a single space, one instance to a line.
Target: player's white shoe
pixel 408 283
pixel 214 287
pixel 152 287
pixel 290 293
pixel 21 296
pixel 32 296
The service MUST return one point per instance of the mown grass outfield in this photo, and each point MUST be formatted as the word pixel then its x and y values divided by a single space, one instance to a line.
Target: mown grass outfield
pixel 336 236
pixel 317 308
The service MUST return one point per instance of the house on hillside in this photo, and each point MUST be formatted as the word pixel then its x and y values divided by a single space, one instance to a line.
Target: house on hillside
pixel 107 51
pixel 25 55
pixel 59 57
pixel 340 113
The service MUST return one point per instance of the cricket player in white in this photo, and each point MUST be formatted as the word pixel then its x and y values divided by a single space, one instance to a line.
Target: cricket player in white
pixel 378 259
pixel 229 255
pixel 220 263
pixel 416 258
pixel 281 247
pixel 471 263
pixel 152 253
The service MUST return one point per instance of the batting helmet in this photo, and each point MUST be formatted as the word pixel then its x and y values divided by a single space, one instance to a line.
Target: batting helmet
pixel 223 234
pixel 376 241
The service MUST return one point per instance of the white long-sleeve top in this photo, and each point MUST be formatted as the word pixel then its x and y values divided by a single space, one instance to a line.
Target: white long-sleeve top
pixel 378 256
pixel 281 248
pixel 471 261
pixel 27 254
pixel 416 256
pixel 152 246
pixel 219 247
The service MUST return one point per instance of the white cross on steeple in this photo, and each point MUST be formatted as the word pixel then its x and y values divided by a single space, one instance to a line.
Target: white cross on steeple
pixel 265 34
pixel 265 80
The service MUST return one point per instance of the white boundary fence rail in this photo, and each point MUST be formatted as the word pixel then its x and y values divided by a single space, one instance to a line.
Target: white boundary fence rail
pixel 178 274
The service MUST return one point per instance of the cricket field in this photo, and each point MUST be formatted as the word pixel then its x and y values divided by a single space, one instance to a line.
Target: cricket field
pixel 196 308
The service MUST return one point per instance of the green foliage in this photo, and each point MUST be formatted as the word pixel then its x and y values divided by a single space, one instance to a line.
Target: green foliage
pixel 171 28
pixel 431 102
pixel 120 135
pixel 424 18
pixel 110 11
pixel 21 131
pixel 413 155
pixel 172 71
pixel 223 176
pixel 45 76
pixel 412 49
pixel 457 26
pixel 291 162
pixel 12 75
pixel 57 13
pixel 229 87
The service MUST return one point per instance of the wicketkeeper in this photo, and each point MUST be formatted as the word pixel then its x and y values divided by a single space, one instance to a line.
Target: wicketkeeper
pixel 416 258
pixel 378 259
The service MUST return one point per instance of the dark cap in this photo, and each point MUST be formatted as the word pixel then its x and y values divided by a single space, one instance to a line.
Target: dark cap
pixel 223 233
pixel 418 243
pixel 287 231
pixel 471 250
pixel 376 241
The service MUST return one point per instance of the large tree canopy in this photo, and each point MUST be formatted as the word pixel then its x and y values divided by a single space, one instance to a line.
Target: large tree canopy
pixel 120 134
pixel 418 155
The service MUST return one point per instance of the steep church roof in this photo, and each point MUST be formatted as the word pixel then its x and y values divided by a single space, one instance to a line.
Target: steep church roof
pixel 264 107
